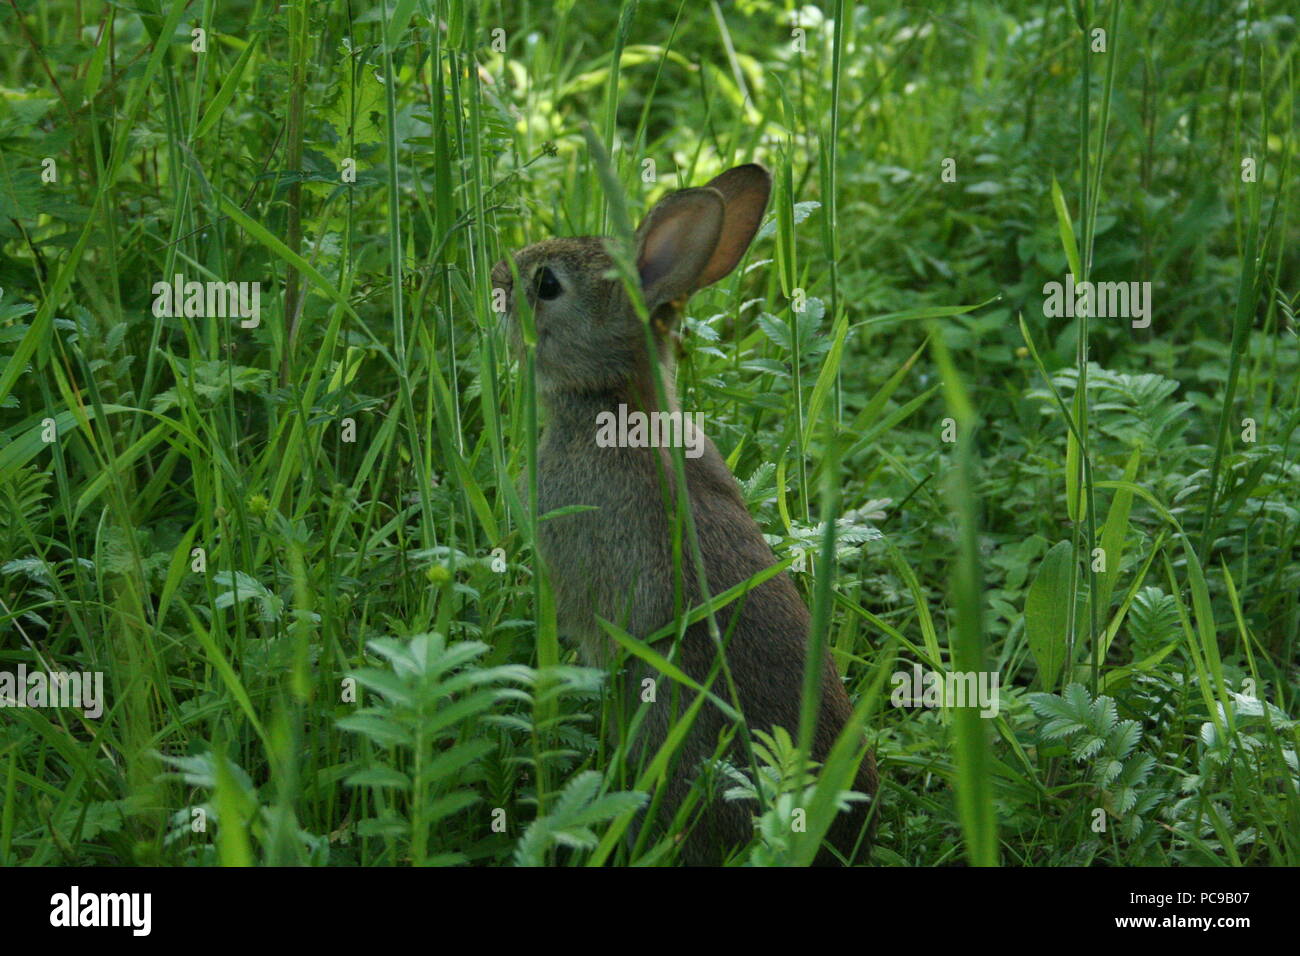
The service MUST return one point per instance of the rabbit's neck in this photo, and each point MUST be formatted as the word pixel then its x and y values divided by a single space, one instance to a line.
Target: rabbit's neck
pixel 582 411
pixel 577 410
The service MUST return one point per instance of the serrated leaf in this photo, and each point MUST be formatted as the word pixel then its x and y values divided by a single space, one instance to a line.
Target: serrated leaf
pixel 379 729
pixel 776 329
pixel 379 776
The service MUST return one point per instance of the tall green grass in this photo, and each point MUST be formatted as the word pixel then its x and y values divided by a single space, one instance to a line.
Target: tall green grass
pixel 365 668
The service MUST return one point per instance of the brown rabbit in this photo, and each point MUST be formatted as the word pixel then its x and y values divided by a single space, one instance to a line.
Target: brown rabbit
pixel 616 562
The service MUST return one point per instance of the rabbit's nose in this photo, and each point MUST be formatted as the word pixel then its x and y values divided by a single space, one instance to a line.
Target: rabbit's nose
pixel 501 275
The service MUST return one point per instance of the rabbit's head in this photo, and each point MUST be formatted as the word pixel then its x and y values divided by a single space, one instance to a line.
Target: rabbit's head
pixel 588 335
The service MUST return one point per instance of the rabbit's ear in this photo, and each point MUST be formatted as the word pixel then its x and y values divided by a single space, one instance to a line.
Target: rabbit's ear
pixel 744 192
pixel 676 242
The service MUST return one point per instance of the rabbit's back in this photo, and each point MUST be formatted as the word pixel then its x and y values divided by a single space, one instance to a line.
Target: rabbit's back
pixel 616 562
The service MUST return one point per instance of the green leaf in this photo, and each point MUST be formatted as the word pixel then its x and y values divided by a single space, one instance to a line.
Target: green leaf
pixel 1047 612
pixel 381 730
pixel 219 102
pixel 826 377
pixel 379 776
pixel 1066 228
pixel 397 25
pixel 776 329
pixel 266 238
pixel 569 823
pixel 1076 498
pixel 1112 534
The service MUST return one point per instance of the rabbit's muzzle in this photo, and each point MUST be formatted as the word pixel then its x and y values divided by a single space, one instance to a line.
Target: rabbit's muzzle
pixel 503 296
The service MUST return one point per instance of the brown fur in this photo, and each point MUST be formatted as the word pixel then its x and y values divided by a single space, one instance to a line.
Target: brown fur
pixel 616 562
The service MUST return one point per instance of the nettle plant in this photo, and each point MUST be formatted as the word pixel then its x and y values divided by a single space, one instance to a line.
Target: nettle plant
pixel 249 825
pixel 461 750
pixel 1133 410
pixel 1119 771
pixel 783 788
pixel 1249 753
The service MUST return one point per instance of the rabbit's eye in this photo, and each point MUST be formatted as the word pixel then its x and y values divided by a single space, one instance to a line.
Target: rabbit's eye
pixel 548 287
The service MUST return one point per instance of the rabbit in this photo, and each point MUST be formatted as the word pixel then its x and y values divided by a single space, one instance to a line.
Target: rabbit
pixel 616 562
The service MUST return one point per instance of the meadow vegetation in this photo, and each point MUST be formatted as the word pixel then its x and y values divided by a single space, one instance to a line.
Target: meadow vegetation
pixel 293 546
